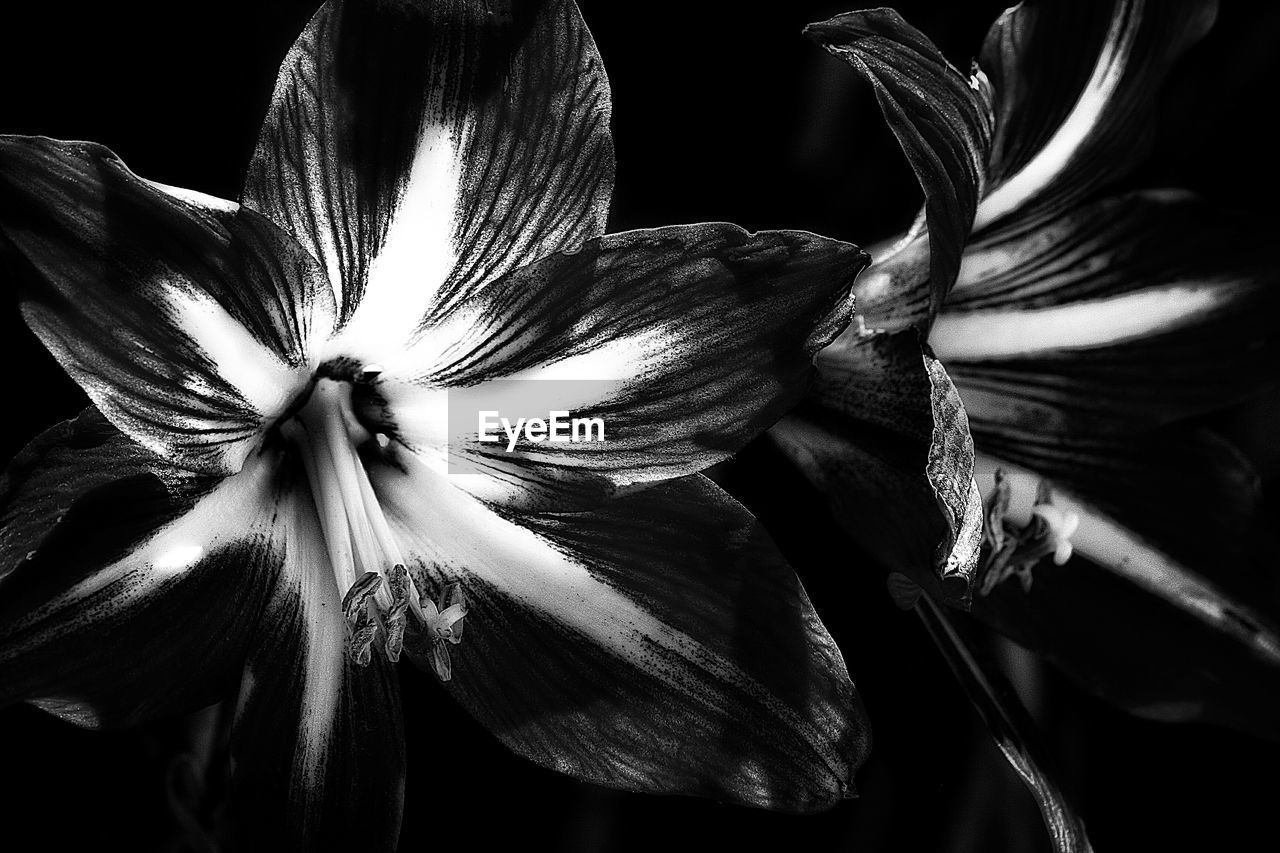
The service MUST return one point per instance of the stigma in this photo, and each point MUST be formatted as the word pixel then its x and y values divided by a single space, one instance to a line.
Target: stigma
pixel 1015 550
pixel 380 600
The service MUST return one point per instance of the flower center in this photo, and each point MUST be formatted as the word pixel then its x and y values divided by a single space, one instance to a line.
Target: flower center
pixel 378 593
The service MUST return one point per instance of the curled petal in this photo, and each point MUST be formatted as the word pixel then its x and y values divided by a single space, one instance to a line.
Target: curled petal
pixel 1067 119
pixel 886 439
pixel 943 121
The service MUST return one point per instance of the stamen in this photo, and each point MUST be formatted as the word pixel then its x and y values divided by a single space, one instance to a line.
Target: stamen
pixel 444 627
pixel 361 620
pixel 1015 550
pixel 440 661
pixel 361 546
pixel 1000 547
pixel 401 589
pixel 1061 526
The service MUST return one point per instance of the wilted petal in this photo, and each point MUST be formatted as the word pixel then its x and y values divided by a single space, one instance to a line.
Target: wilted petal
pixel 317 742
pixel 189 321
pixel 1167 614
pixel 943 121
pixel 1073 86
pixel 1124 314
pixel 886 440
pixel 421 150
pixel 127 590
pixel 658 643
pixel 687 341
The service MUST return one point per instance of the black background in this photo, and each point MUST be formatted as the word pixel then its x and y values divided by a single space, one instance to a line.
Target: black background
pixel 720 113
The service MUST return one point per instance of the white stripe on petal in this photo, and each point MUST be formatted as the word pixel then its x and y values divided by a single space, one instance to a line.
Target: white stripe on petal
pixel 421 411
pixel 1004 333
pixel 416 256
pixel 1049 162
pixel 322 637
pixel 1111 545
pixel 237 510
pixel 620 359
pixel 264 381
pixel 455 535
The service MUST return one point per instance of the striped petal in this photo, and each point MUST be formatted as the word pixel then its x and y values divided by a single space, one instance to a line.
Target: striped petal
pixel 1124 314
pixel 1165 609
pixel 943 121
pixel 686 341
pixel 1110 247
pixel 885 438
pixel 658 643
pixel 188 321
pixel 128 589
pixel 131 590
pixel 1066 121
pixel 317 742
pixel 1073 104
pixel 421 150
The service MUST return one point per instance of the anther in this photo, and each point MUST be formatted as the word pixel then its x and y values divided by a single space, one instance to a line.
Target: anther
pixel 396 619
pixel 1015 550
pixel 362 625
pixel 444 627
pixel 1059 528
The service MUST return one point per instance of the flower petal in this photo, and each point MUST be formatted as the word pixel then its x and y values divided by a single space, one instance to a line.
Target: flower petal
pixel 687 341
pixel 317 742
pixel 942 120
pixel 658 643
pixel 1165 615
pixel 1073 95
pixel 1116 245
pixel 886 440
pixel 421 150
pixel 187 320
pixel 1125 314
pixel 128 589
